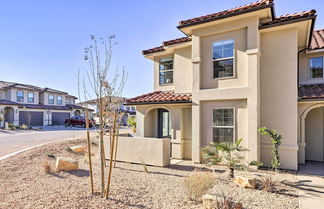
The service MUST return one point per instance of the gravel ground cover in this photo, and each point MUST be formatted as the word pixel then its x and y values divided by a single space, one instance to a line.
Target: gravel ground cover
pixel 283 196
pixel 25 185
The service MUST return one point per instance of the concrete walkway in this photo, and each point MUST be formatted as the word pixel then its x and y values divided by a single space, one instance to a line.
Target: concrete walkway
pixel 311 185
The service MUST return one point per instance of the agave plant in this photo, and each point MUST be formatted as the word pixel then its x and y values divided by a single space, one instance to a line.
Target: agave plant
pixel 227 154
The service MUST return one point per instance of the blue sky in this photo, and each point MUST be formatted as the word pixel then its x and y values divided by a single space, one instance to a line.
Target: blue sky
pixel 42 41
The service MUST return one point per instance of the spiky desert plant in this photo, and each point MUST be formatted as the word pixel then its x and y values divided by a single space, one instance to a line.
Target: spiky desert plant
pixel 227 154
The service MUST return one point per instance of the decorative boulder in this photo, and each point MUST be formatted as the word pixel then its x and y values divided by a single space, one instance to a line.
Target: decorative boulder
pixel 245 182
pixel 78 148
pixel 209 201
pixel 66 164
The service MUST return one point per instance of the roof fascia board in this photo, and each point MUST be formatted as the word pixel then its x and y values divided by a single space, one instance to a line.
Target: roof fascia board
pixel 227 16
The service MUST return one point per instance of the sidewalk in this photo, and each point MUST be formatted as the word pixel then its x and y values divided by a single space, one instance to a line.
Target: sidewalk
pixel 311 179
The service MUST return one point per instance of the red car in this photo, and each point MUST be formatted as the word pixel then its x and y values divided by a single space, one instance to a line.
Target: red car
pixel 78 121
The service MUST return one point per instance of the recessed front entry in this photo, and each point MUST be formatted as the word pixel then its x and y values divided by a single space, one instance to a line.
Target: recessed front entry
pixel 164 123
pixel 314 135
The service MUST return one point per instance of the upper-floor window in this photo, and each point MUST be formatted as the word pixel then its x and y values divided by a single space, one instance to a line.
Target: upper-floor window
pixel 166 70
pixel 20 96
pixel 59 100
pixel 50 99
pixel 316 67
pixel 223 58
pixel 223 125
pixel 30 97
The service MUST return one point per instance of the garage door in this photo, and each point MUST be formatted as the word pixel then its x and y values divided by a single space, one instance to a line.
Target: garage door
pixel 35 118
pixel 58 118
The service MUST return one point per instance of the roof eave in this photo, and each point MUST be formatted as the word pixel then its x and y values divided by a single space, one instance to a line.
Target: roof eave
pixel 229 15
pixel 166 102
pixel 261 27
pixel 310 99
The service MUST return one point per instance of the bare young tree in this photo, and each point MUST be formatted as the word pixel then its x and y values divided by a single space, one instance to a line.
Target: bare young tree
pixel 103 85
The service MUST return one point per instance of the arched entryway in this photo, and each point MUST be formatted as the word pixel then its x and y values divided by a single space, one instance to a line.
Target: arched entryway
pixel 314 135
pixel 157 123
pixel 9 115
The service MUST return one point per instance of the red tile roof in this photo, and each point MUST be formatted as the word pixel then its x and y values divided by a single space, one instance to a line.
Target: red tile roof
pixel 158 97
pixel 317 40
pixel 314 91
pixel 231 12
pixel 153 50
pixel 166 43
pixel 289 17
pixel 176 41
pixel 7 102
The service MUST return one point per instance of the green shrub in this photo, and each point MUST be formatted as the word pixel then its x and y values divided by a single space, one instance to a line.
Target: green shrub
pixel 276 141
pixel 23 127
pixel 12 126
pixel 132 122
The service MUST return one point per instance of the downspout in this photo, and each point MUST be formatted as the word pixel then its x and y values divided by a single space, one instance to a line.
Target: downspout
pixel 300 51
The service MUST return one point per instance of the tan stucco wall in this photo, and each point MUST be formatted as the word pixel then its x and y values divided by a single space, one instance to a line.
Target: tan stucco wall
pixel 304 71
pixel 240 60
pixel 241 120
pixel 150 151
pixel 182 72
pixel 146 119
pixel 279 94
pixel 44 98
pixel 314 135
pixel 13 95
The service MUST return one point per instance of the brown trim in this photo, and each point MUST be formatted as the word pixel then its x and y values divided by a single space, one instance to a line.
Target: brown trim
pixel 228 15
pixel 312 31
pixel 261 27
pixel 310 100
pixel 166 102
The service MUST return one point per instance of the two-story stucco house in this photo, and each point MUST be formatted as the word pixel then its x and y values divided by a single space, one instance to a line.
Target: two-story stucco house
pixel 22 104
pixel 235 71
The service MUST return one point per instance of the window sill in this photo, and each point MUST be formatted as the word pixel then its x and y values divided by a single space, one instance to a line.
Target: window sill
pixel 168 84
pixel 225 78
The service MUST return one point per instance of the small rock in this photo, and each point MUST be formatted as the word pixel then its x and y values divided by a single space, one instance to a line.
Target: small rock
pixel 208 201
pixel 78 148
pixel 66 164
pixel 245 182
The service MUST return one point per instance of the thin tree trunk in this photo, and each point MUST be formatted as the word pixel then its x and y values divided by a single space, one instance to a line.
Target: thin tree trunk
pixel 116 144
pixel 101 147
pixel 89 151
pixel 111 156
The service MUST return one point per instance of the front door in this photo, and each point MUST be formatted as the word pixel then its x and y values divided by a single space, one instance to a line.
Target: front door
pixel 164 124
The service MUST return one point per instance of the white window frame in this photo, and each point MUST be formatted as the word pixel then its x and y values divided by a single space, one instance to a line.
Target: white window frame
pixel 166 84
pixel 30 92
pixel 49 99
pixel 220 59
pixel 57 100
pixel 310 73
pixel 23 95
pixel 234 121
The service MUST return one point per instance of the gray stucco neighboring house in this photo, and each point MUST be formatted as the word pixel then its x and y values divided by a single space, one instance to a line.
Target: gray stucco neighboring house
pixel 32 105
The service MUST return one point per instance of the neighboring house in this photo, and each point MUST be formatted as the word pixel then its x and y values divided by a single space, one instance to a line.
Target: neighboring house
pixel 22 104
pixel 128 111
pixel 238 70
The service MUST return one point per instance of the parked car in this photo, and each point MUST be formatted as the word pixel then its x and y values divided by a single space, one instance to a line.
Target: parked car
pixel 78 121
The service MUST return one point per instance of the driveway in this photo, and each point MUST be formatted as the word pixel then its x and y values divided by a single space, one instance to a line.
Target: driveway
pixel 13 141
pixel 311 179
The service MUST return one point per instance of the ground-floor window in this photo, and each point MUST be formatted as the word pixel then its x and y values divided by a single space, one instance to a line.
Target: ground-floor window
pixel 223 125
